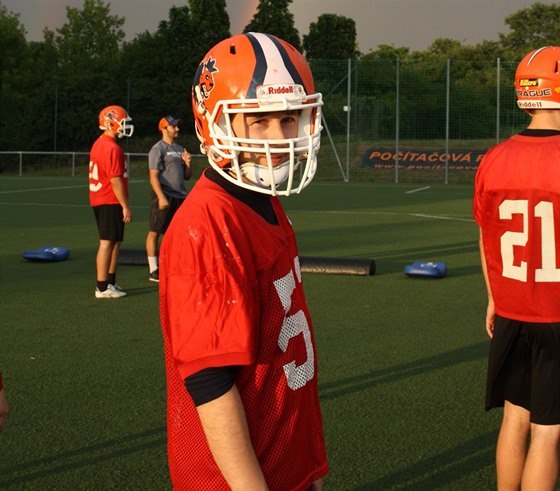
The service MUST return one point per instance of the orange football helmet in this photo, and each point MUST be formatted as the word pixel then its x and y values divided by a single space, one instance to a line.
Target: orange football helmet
pixel 537 80
pixel 257 73
pixel 116 119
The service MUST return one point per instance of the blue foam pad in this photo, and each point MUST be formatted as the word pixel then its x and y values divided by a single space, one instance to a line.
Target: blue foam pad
pixel 428 269
pixel 48 253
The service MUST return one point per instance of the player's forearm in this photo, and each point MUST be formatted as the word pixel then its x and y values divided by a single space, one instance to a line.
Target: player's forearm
pixel 187 171
pixel 118 188
pixel 490 309
pixel 484 266
pixel 226 430
pixel 156 185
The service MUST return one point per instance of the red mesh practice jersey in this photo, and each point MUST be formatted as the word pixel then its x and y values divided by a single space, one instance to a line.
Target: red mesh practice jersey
pixel 517 205
pixel 231 294
pixel 106 161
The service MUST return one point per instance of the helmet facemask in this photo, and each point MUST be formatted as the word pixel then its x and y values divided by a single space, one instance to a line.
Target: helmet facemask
pixel 125 128
pixel 301 151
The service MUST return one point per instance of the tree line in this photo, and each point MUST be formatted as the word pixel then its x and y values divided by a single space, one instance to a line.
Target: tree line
pixel 51 91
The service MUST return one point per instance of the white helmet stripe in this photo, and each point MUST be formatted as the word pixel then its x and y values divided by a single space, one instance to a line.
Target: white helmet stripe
pixel 536 53
pixel 268 50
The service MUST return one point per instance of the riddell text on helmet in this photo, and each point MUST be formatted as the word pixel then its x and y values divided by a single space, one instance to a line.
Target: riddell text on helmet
pixel 529 104
pixel 267 90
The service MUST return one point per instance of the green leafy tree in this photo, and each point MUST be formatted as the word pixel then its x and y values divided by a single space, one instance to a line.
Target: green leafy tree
pixel 89 34
pixel 274 17
pixel 14 53
pixel 531 28
pixel 210 25
pixel 26 93
pixel 88 50
pixel 161 64
pixel 146 64
pixel 322 44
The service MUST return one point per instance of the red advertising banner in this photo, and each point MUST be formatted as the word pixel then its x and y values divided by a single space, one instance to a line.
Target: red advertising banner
pixel 424 159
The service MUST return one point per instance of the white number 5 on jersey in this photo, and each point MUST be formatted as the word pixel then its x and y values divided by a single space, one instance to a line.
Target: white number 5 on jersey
pixel 294 325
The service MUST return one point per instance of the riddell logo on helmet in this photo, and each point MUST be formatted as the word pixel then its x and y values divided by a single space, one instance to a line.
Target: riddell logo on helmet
pixel 287 90
pixel 529 104
pixel 529 82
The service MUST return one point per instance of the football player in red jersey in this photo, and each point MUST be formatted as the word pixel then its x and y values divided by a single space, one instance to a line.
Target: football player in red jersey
pixel 108 196
pixel 517 207
pixel 243 408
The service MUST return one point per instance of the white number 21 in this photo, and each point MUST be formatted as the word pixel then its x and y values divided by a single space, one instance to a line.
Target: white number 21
pixel 545 211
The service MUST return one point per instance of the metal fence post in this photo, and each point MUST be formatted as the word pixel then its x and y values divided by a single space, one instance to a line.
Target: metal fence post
pixel 497 100
pixel 447 105
pixel 397 120
pixel 348 109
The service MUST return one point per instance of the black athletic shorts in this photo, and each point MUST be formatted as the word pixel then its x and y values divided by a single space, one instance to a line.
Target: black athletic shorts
pixel 109 222
pixel 524 368
pixel 160 219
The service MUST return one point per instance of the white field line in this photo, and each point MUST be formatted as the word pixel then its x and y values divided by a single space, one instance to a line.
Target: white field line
pixel 55 188
pixel 416 190
pixel 333 212
pixel 418 215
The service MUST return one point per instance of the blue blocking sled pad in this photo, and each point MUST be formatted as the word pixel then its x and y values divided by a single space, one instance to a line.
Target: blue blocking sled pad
pixel 427 269
pixel 47 254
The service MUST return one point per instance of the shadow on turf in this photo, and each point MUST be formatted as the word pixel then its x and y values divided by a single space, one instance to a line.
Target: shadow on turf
pixel 442 470
pixel 349 385
pixel 439 471
pixel 83 457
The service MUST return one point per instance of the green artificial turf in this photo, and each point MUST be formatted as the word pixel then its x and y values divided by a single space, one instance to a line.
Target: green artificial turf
pixel 402 360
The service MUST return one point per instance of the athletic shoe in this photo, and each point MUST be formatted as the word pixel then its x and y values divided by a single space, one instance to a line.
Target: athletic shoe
pixel 118 287
pixel 111 292
pixel 154 276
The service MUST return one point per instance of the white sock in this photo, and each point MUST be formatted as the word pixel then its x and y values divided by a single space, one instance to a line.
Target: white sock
pixel 153 263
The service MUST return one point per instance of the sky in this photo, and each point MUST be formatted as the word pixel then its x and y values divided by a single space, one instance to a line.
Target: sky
pixel 414 24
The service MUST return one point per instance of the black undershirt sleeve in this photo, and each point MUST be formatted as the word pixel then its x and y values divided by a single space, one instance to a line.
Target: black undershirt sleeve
pixel 210 383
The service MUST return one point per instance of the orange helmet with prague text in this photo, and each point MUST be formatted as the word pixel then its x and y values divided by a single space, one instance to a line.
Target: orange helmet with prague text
pixel 116 119
pixel 537 80
pixel 257 73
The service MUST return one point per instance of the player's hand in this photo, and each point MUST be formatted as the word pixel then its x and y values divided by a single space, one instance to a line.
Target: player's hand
pixel 4 409
pixel 163 203
pixel 490 318
pixel 127 214
pixel 317 485
pixel 186 156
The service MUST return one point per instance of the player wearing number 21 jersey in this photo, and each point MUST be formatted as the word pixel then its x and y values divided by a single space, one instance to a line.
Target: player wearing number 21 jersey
pixel 517 207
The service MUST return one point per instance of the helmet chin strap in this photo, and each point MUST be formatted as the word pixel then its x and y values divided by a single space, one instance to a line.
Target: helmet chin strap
pixel 262 176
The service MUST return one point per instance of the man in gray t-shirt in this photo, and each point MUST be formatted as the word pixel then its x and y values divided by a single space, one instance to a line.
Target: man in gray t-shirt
pixel 170 166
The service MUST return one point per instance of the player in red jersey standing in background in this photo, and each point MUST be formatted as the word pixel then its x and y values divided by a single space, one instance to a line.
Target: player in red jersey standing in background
pixel 517 207
pixel 108 196
pixel 243 408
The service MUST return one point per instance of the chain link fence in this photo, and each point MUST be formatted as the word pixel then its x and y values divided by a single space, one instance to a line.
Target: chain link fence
pixel 419 120
pixel 429 121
